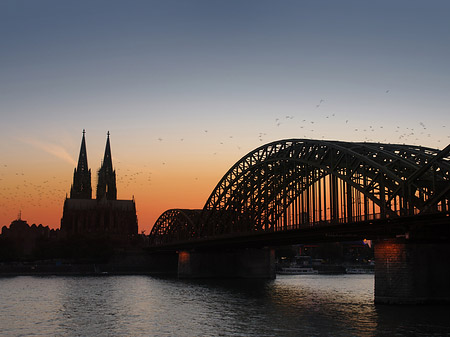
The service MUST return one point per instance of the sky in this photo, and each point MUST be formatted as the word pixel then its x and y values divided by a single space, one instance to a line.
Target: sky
pixel 187 88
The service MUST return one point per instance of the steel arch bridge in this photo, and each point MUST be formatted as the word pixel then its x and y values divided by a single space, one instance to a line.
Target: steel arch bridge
pixel 297 184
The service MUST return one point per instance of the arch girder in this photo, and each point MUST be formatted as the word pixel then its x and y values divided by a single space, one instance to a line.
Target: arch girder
pixel 175 225
pixel 327 160
pixel 257 191
pixel 380 168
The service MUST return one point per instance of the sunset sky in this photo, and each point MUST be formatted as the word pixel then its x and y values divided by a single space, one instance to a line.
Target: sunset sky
pixel 186 88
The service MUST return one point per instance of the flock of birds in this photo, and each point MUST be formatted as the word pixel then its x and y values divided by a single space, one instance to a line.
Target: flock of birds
pixel 19 192
pixel 130 178
pixel 312 127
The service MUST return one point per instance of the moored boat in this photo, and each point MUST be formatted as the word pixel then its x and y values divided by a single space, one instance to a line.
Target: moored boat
pixel 296 271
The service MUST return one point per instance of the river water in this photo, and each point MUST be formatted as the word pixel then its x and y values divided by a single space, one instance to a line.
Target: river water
pixel 291 305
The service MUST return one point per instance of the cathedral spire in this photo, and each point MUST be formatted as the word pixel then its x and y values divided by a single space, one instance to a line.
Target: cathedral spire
pixel 81 187
pixel 107 160
pixel 107 176
pixel 82 158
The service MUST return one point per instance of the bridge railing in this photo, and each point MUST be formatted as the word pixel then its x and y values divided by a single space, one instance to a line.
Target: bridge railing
pixel 346 220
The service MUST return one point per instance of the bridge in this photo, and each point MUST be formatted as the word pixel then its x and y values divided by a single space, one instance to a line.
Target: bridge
pixel 302 190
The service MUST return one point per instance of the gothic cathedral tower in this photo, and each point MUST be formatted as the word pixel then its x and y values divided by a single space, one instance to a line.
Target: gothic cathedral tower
pixel 81 187
pixel 105 217
pixel 106 185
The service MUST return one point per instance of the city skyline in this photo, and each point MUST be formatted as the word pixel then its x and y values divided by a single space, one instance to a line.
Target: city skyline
pixel 188 89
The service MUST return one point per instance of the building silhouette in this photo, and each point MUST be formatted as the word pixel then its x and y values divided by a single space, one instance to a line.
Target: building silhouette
pixel 104 216
pixel 24 238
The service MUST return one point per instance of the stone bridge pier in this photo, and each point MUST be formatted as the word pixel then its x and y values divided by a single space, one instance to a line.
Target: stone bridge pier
pixel 227 263
pixel 412 271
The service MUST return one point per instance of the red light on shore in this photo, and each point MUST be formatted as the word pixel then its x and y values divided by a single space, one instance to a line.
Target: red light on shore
pixel 368 242
pixel 183 256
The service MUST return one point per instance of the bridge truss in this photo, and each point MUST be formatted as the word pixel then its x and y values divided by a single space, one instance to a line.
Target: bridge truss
pixel 303 183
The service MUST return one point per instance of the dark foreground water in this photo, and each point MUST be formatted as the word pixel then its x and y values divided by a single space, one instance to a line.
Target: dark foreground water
pixel 305 305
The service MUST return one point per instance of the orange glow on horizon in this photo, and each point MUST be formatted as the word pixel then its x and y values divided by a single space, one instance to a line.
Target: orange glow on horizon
pixel 169 174
pixel 39 192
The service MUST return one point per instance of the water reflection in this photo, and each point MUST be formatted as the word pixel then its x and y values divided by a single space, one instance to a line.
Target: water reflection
pixel 307 305
pixel 313 305
pixel 89 308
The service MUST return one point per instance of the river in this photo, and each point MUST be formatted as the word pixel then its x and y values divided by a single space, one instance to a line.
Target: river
pixel 291 305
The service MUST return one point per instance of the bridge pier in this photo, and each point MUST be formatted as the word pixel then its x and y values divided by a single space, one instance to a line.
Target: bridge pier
pixel 233 263
pixel 408 272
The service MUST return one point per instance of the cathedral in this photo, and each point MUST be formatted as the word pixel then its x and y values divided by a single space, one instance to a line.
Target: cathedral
pixel 104 216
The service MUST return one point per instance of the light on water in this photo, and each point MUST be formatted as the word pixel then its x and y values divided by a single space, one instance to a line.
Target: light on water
pixel 291 305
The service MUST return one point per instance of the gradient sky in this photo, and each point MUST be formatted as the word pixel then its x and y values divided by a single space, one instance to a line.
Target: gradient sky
pixel 187 88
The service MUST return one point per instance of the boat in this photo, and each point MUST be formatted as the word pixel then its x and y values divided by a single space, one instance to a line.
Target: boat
pixel 353 270
pixel 296 271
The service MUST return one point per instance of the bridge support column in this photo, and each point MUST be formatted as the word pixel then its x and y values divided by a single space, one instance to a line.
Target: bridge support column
pixel 412 272
pixel 236 263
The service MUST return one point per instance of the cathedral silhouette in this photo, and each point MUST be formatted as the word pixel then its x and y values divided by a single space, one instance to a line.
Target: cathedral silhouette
pixel 104 216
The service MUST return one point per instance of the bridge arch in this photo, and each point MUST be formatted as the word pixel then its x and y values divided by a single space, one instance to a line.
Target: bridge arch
pixel 175 225
pixel 293 183
pixel 300 182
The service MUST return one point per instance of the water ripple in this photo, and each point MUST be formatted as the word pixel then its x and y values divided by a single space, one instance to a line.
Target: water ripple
pixel 306 305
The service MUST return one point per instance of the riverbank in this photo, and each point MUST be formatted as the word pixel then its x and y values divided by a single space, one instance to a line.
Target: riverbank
pixel 137 262
pixel 90 269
